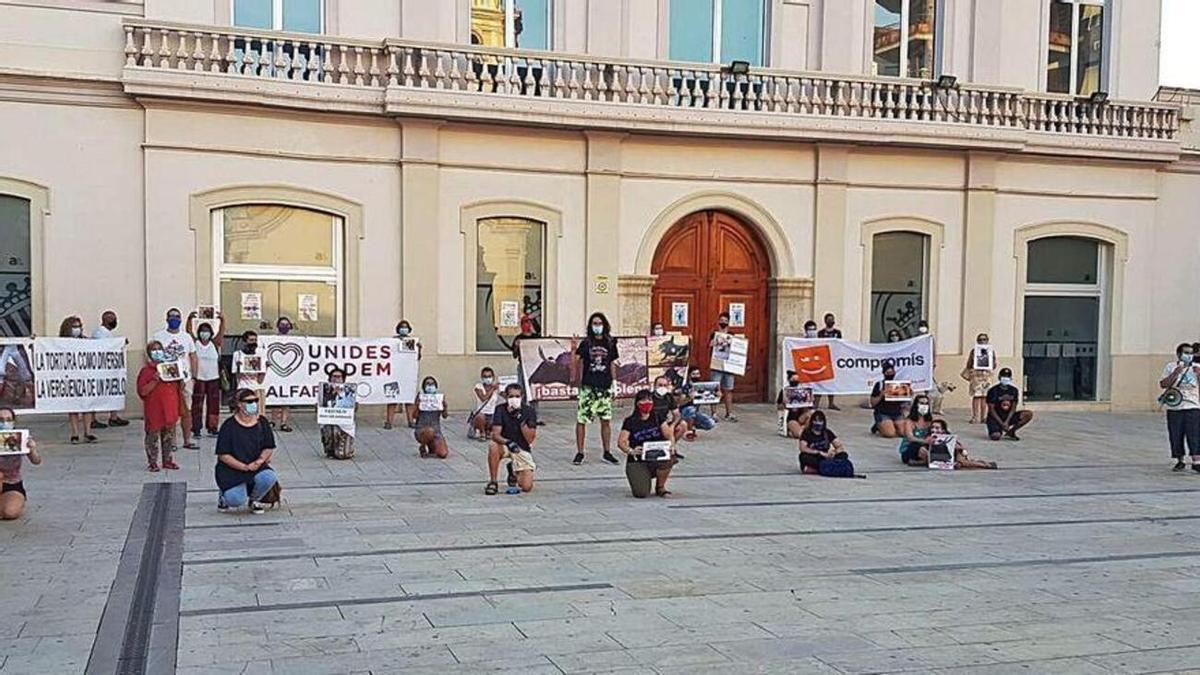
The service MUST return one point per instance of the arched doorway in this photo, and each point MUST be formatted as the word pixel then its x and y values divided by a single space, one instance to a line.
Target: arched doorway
pixel 711 262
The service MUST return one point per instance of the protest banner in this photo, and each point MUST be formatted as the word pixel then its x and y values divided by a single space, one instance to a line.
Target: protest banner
pixel 729 353
pixel 664 351
pixel 833 366
pixel 57 375
pixel 296 366
pixel 632 373
pixel 336 405
pixel 547 365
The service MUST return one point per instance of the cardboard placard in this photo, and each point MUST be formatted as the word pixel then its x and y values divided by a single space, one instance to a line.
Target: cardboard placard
pixel 14 442
pixel 795 398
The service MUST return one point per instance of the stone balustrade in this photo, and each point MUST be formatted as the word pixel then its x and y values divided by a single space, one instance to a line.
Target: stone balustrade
pixel 623 84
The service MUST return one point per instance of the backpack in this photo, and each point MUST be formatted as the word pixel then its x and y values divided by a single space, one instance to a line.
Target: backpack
pixel 838 467
pixel 273 496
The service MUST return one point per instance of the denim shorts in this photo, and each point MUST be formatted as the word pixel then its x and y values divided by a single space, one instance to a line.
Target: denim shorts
pixel 726 379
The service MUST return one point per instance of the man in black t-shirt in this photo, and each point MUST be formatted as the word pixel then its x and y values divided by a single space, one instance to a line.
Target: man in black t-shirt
pixel 830 331
pixel 245 444
pixel 514 429
pixel 595 360
pixel 887 413
pixel 1003 418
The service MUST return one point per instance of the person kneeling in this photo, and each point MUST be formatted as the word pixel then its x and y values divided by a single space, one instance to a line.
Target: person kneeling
pixel 818 443
pixel 1003 418
pixel 640 428
pixel 245 445
pixel 514 428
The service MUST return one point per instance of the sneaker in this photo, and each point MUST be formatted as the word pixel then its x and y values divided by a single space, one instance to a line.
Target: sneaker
pixel 1179 466
pixel 212 433
pixel 285 428
pixel 578 459
pixel 192 445
pixel 90 438
pixel 257 507
pixel 834 406
pixel 221 505
pixel 608 457
pixel 99 425
pixel 387 425
pixel 118 422
pixel 1196 467
pixel 731 418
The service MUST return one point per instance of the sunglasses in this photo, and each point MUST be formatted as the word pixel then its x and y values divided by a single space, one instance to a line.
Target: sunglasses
pixel 249 400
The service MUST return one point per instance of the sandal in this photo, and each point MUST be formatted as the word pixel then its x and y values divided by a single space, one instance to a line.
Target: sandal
pixel 152 468
pixel 387 425
pixel 662 493
pixel 492 488
pixel 286 428
pixel 170 465
pixel 90 438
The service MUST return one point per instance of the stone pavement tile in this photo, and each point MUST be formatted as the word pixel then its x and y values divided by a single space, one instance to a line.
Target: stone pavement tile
pixel 637 639
pixel 392 639
pixel 261 651
pixel 502 662
pixel 382 661
pixel 1171 659
pixel 215 638
pixel 655 657
pixel 648 622
pixel 309 616
pixel 535 645
pixel 1067 666
pixel 219 669
pixel 1052 647
pixel 784 649
pixel 801 665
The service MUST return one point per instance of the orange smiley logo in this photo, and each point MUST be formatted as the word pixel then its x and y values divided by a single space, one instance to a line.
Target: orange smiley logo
pixel 813 364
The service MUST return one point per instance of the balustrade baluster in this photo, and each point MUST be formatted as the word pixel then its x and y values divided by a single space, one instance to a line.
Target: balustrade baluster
pixel 198 52
pixel 164 49
pixel 214 53
pixel 656 88
pixel 439 70
pixel 181 52
pixel 374 71
pixel 147 48
pixel 560 84
pixel 232 64
pixel 130 48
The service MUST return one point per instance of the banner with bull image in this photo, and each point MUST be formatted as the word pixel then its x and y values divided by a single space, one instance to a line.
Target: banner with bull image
pixel 832 366
pixel 57 375
pixel 384 369
pixel 550 373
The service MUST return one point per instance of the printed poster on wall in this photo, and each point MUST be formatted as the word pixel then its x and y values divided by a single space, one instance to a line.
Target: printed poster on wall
pixel 60 375
pixel 252 306
pixel 737 314
pixel 679 315
pixel 729 353
pixel 510 314
pixel 832 366
pixel 383 370
pixel 307 304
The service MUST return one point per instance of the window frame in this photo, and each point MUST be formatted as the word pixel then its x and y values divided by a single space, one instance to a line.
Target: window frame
pixel 510 26
pixel 939 18
pixel 277 16
pixel 1105 45
pixel 545 264
pixel 718 58
pixel 336 273
pixel 926 276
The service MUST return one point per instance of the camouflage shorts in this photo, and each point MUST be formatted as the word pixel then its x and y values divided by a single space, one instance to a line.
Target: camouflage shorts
pixel 594 404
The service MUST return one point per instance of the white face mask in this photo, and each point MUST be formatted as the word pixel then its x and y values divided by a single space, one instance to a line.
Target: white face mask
pixel 657 331
pixel 923 329
pixel 661 391
pixel 810 333
pixel 514 402
pixel 923 409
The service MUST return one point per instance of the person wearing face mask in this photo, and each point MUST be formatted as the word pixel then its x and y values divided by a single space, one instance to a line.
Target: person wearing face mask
pixel 595 359
pixel 107 329
pixel 818 442
pixel 249 379
pixel 245 445
pixel 282 414
pixel 179 346
pixel 829 332
pixel 429 436
pixel 914 441
pixel 657 330
pixel 641 427
pixel 692 415
pixel 12 488
pixel 529 331
pixel 1003 418
pixel 794 419
pixel 160 409
pixel 487 396
pixel 666 406
pixel 726 379
pixel 894 335
pixel 337 442
pixel 978 374
pixel 962 461
pixel 888 414
pixel 403 330
pixel 80 423
pixel 514 429
pixel 206 387
pixel 1181 378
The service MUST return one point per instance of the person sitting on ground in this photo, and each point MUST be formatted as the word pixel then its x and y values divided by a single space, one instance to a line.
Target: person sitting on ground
pixel 665 406
pixel 939 427
pixel 642 427
pixel 12 488
pixel 1003 417
pixel 818 442
pixel 888 414
pixel 914 441
pixel 429 422
pixel 694 418
pixel 794 418
pixel 514 429
pixel 487 396
pixel 337 442
pixel 245 445
pixel 160 409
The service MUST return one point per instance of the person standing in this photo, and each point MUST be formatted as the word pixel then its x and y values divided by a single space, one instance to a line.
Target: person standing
pixel 514 429
pixel 830 331
pixel 179 346
pixel 245 445
pixel 1183 413
pixel 403 331
pixel 281 414
pixel 108 324
pixel 12 488
pixel 725 379
pixel 596 359
pixel 79 422
pixel 160 409
pixel 206 385
pixel 981 361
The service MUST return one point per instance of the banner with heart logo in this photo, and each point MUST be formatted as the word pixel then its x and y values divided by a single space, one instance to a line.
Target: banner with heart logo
pixel 385 369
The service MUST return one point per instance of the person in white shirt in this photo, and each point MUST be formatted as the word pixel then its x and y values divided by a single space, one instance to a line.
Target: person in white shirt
pixel 206 386
pixel 1181 397
pixel 179 346
pixel 107 329
pixel 487 395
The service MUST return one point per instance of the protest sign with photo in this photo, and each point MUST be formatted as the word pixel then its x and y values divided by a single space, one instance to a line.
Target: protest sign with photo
pixel 170 371
pixel 897 391
pixel 17 386
pixel 797 397
pixel 667 350
pixel 296 366
pixel 676 374
pixel 833 366
pixel 632 373
pixel 336 405
pixel 985 357
pixel 546 363
pixel 206 313
pixel 74 375
pixel 431 402
pixel 729 353
pixel 656 451
pixel 941 451
pixel 14 442
pixel 706 393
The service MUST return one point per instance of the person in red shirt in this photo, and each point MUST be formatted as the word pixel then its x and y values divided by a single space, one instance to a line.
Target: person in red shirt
pixel 160 407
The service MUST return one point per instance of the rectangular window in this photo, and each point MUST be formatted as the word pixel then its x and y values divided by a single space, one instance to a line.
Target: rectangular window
pixel 717 31
pixel 523 24
pixel 1075 49
pixel 299 16
pixel 510 281
pixel 16 292
pixel 278 261
pixel 899 269
pixel 904 38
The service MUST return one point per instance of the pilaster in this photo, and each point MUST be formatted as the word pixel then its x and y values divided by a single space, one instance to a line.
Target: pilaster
pixel 634 293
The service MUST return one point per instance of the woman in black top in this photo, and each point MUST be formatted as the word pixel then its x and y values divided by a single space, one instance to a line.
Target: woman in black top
pixel 818 442
pixel 642 427
pixel 797 418
pixel 245 445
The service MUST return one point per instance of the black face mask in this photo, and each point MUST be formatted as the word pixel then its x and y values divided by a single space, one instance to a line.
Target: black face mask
pixel 110 324
pixel 250 347
pixel 889 375
pixel 724 324
pixel 794 383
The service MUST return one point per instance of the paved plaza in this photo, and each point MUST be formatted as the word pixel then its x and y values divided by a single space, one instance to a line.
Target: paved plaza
pixel 1081 555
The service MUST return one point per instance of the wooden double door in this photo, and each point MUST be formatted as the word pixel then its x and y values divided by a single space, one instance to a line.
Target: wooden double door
pixel 711 262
